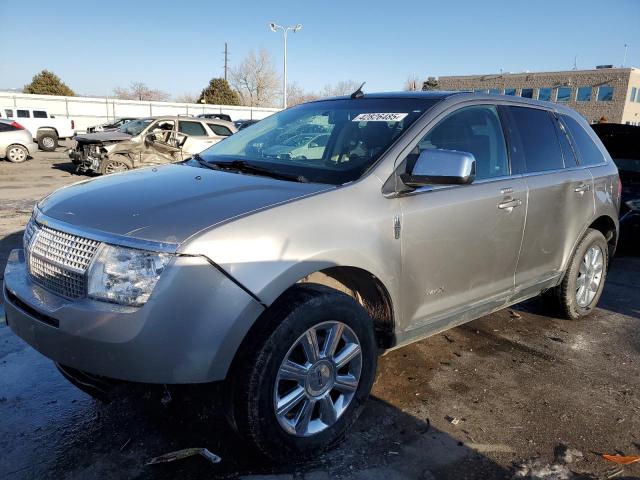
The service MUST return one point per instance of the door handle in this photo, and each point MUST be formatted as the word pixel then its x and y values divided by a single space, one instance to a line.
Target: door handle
pixel 509 205
pixel 585 187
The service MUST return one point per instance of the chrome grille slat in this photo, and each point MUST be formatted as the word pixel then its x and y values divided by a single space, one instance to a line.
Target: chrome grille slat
pixel 58 260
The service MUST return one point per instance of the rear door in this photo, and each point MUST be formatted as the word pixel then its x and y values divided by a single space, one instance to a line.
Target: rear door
pixel 460 243
pixel 560 194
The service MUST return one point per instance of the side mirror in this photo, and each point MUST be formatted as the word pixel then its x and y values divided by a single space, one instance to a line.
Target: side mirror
pixel 441 167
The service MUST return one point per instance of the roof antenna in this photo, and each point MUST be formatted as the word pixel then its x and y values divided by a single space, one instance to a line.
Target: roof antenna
pixel 358 93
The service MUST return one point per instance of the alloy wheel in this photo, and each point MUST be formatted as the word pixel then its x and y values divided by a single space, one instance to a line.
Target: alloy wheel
pixel 317 379
pixel 115 166
pixel 589 276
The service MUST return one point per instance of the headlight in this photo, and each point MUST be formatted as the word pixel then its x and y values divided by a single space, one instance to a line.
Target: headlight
pixel 125 275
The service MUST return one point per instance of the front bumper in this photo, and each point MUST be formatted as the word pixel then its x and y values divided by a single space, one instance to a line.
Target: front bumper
pixel 32 147
pixel 188 331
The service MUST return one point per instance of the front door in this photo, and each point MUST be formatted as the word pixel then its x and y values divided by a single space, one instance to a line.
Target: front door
pixel 460 244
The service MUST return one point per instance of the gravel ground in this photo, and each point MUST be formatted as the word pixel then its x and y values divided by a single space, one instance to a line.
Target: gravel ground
pixel 516 394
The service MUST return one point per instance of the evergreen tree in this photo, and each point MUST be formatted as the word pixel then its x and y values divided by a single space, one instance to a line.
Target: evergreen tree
pixel 218 92
pixel 48 83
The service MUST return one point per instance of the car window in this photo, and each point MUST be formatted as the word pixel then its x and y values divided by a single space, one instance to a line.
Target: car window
pixel 6 127
pixel 39 114
pixel 8 112
pixel 536 139
pixel 192 128
pixel 23 114
pixel 476 130
pixel 588 151
pixel 568 152
pixel 360 131
pixel 321 141
pixel 220 130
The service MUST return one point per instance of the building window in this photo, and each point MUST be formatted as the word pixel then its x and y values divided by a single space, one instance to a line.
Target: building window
pixel 584 94
pixel 527 93
pixel 544 94
pixel 509 91
pixel 605 93
pixel 563 94
pixel 632 98
pixel 495 91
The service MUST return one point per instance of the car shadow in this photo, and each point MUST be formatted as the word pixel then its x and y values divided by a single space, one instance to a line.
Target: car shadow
pixel 384 443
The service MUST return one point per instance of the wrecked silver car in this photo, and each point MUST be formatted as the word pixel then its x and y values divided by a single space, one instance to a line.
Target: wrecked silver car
pixel 147 141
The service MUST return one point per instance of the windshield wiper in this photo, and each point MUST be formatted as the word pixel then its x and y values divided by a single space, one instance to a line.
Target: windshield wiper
pixel 245 167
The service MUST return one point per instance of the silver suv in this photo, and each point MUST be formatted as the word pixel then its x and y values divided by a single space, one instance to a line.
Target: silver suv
pixel 286 276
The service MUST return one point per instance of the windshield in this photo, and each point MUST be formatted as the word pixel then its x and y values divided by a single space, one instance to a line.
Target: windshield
pixel 356 132
pixel 134 127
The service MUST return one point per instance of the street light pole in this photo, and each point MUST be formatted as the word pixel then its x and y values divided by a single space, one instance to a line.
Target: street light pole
pixel 285 30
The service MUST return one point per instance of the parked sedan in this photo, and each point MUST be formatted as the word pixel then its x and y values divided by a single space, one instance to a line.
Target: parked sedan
pixel 16 143
pixel 299 147
pixel 107 127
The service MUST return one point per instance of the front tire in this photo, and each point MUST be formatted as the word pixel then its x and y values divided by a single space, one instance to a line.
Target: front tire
pixel 307 374
pixel 115 164
pixel 47 140
pixel 16 153
pixel 583 282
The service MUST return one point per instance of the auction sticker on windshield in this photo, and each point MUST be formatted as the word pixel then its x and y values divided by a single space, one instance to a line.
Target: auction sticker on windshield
pixel 379 117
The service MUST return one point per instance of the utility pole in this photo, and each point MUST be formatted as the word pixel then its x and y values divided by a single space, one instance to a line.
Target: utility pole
pixel 226 60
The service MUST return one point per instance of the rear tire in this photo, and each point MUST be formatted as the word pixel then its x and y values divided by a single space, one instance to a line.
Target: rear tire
pixel 115 164
pixel 16 153
pixel 583 282
pixel 47 140
pixel 331 394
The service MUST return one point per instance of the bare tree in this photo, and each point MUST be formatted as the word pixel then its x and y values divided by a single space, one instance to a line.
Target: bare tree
pixel 296 94
pixel 344 87
pixel 140 91
pixel 186 98
pixel 412 83
pixel 256 80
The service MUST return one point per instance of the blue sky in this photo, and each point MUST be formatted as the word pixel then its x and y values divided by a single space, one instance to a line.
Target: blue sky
pixel 176 46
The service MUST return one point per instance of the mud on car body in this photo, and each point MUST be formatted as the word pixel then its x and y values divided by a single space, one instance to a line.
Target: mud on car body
pixel 285 277
pixel 146 141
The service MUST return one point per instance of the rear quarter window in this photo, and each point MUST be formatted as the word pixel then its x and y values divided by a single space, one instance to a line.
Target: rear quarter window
pixel 194 129
pixel 6 127
pixel 588 151
pixel 220 130
pixel 536 139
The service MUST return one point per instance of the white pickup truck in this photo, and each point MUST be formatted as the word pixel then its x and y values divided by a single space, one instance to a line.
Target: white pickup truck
pixel 45 128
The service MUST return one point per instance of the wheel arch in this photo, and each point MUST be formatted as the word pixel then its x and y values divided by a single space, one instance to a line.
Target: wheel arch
pixel 39 131
pixel 608 227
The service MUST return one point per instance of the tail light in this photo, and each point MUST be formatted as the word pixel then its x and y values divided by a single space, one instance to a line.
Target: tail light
pixel 73 125
pixel 17 125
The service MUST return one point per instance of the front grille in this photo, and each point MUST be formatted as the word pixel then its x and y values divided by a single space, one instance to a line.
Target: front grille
pixel 57 260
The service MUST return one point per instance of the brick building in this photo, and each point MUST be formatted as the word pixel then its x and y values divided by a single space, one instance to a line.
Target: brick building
pixel 613 93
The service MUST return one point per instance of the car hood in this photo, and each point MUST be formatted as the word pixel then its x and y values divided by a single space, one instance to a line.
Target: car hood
pixel 105 136
pixel 168 203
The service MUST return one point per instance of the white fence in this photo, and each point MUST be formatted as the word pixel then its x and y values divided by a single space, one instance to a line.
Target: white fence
pixel 88 111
